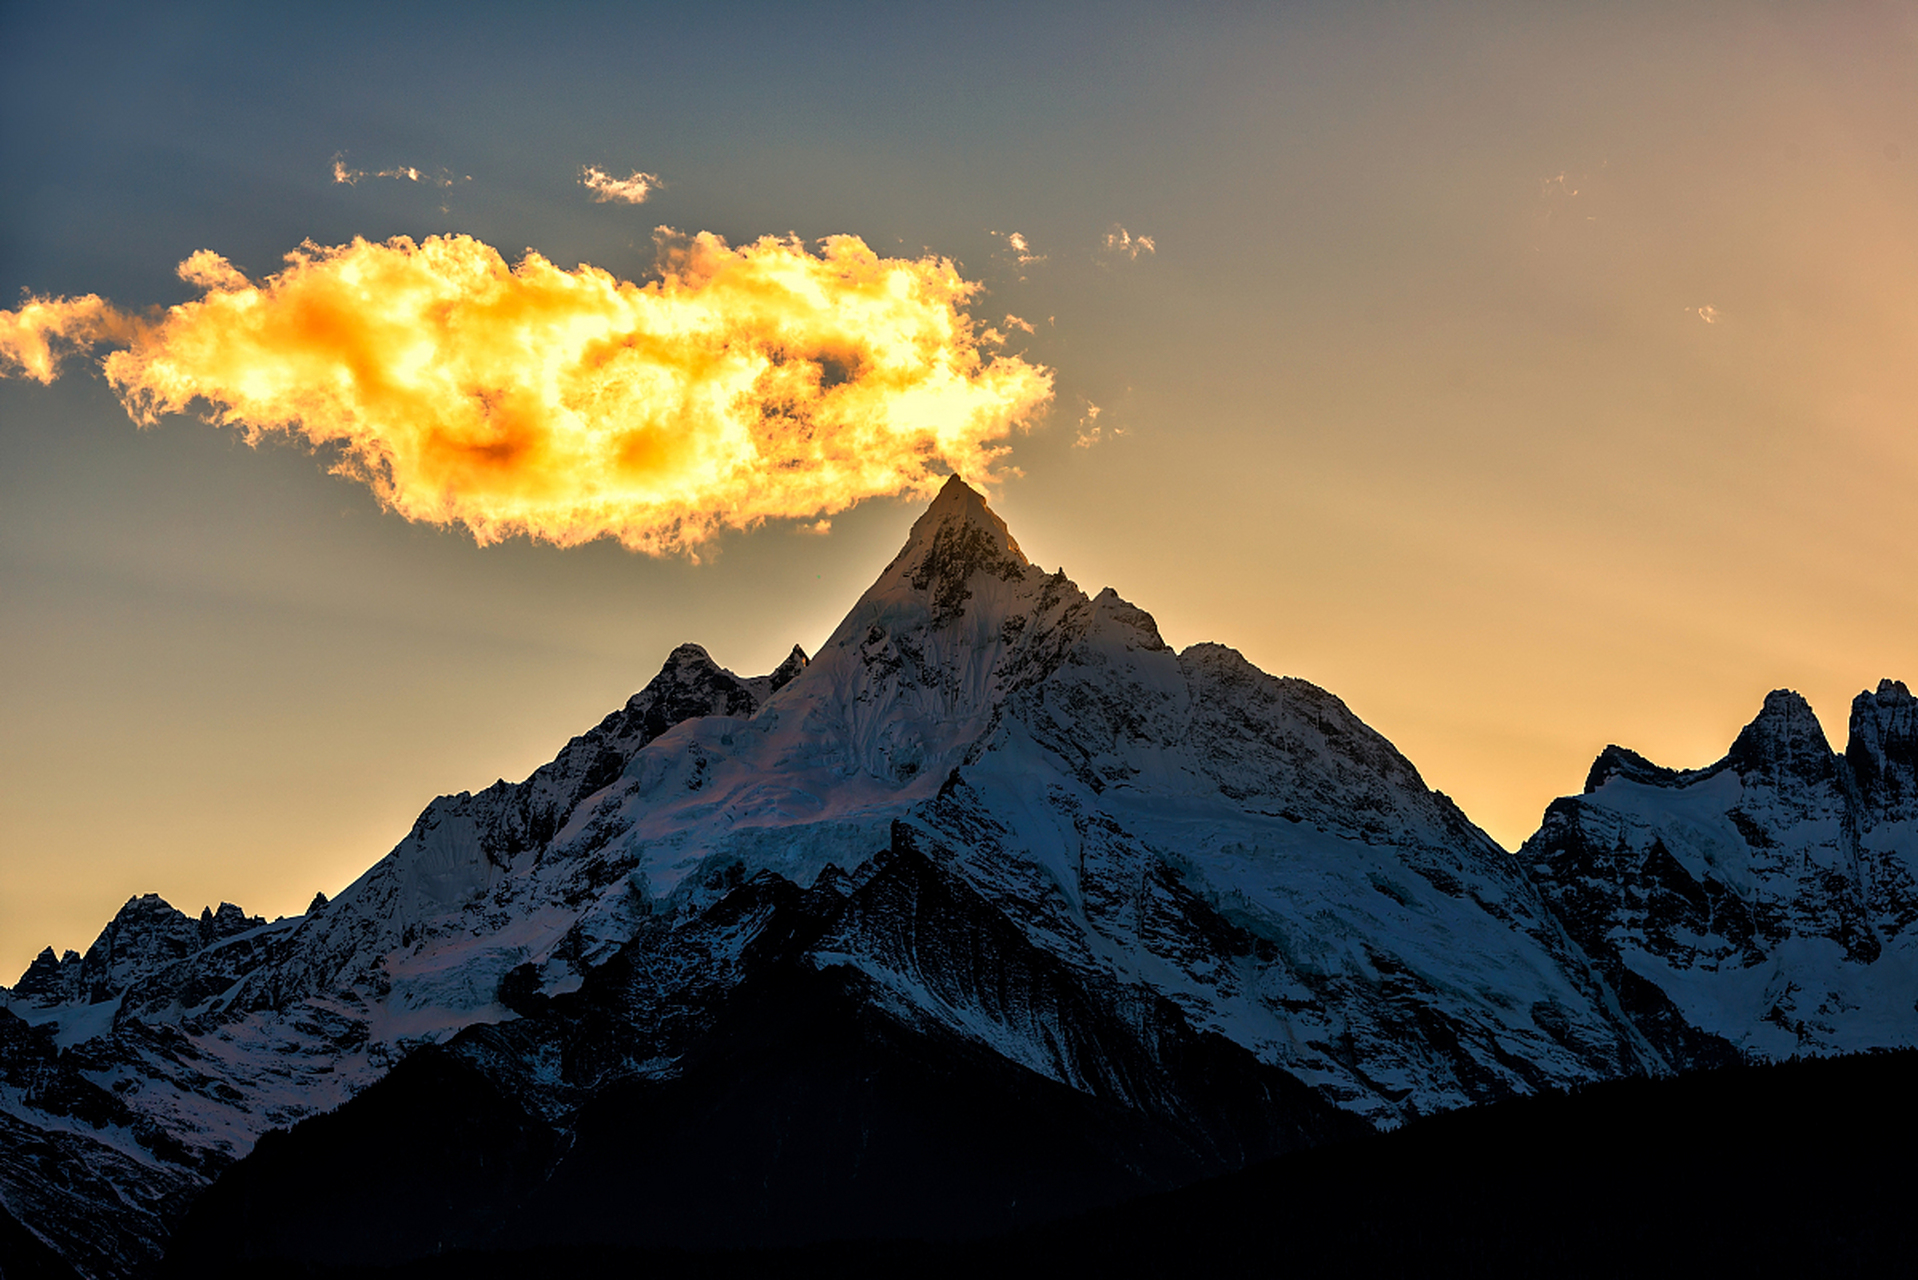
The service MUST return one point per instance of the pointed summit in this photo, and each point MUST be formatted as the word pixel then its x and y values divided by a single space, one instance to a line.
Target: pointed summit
pixel 783 673
pixel 958 536
pixel 50 980
pixel 690 684
pixel 907 681
pixel 956 495
pixel 958 539
pixel 145 936
pixel 1784 739
pixel 1883 750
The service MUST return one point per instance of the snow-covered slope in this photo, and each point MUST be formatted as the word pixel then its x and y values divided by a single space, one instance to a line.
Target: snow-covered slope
pixel 204 1034
pixel 1249 847
pixel 782 1066
pixel 1767 901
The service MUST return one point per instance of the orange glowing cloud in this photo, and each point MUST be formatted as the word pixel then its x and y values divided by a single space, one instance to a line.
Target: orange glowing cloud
pixel 35 338
pixel 753 383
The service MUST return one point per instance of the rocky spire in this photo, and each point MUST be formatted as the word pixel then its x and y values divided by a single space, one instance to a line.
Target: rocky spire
pixel 1883 751
pixel 783 673
pixel 1785 741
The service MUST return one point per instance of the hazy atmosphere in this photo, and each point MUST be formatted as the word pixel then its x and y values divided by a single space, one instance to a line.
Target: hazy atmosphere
pixel 1532 380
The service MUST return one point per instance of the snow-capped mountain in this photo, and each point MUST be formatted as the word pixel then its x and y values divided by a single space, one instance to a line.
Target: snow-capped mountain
pixel 1003 845
pixel 1765 905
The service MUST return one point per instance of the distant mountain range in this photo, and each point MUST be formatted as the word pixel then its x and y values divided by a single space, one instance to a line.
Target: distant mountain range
pixel 994 910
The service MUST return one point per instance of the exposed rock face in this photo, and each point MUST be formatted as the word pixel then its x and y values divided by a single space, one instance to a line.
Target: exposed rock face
pixel 1764 904
pixel 148 935
pixel 1883 756
pixel 92 1177
pixel 50 980
pixel 997 824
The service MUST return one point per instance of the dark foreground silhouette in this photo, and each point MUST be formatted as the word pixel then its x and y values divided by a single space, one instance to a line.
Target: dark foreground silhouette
pixel 1802 1168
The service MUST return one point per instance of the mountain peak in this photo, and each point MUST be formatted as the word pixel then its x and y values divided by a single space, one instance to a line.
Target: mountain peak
pixel 958 538
pixel 690 684
pixel 956 490
pixel 783 673
pixel 1622 762
pixel 50 979
pixel 147 934
pixel 1883 750
pixel 907 682
pixel 961 505
pixel 688 656
pixel 1785 738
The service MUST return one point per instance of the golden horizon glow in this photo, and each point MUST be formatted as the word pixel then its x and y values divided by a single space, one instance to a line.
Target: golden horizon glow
pixel 746 384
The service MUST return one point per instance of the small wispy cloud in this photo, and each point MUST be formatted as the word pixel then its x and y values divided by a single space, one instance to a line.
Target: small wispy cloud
pixel 1708 313
pixel 607 189
pixel 1090 432
pixel 1556 186
pixel 342 174
pixel 1120 243
pixel 1014 322
pixel 1019 250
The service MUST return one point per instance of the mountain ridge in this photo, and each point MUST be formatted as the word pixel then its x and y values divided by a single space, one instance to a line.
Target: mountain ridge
pixel 1180 840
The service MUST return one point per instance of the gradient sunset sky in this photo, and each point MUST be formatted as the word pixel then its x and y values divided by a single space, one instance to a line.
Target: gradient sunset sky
pixel 1531 377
